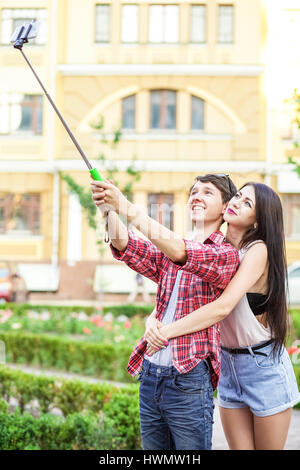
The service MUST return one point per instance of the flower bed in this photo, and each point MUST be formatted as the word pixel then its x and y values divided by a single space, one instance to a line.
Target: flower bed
pixel 93 327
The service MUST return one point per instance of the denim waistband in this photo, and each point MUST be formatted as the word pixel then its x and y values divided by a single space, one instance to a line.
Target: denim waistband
pixel 249 349
pixel 151 368
pixel 154 369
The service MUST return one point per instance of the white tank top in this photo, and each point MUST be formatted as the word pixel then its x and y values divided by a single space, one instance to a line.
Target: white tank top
pixel 241 328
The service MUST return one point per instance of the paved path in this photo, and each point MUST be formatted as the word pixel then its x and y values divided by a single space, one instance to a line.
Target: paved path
pixel 293 439
pixel 219 440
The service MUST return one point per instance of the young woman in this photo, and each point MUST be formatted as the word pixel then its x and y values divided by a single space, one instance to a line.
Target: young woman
pixel 257 388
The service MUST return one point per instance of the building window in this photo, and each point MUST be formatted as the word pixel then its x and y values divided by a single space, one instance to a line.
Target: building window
pixel 163 26
pixel 102 33
pixel 226 24
pixel 20 213
pixel 198 24
pixel 197 118
pixel 163 109
pixel 128 112
pixel 129 23
pixel 291 210
pixel 161 208
pixel 21 113
pixel 11 18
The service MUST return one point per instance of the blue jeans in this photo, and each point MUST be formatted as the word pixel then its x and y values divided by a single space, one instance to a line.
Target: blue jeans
pixel 176 410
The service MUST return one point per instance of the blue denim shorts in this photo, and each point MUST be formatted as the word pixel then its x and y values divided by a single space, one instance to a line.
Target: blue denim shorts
pixel 264 383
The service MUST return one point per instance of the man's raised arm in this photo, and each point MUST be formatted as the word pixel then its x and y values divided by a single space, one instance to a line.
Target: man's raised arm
pixel 165 240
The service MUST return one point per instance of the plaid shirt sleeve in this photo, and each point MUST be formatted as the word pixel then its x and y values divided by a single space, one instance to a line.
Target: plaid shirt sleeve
pixel 141 256
pixel 215 264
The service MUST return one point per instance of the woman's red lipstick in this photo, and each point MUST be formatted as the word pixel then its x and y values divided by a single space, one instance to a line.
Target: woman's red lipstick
pixel 230 211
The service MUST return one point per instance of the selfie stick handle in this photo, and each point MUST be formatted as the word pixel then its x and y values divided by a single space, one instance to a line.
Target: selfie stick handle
pixel 93 171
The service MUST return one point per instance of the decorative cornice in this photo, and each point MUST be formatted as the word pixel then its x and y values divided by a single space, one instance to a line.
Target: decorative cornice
pixel 153 166
pixel 161 69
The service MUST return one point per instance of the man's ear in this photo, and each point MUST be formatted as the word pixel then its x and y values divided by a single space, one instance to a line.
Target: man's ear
pixel 224 208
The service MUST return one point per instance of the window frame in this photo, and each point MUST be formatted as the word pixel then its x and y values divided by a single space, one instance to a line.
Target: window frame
pixel 37 105
pixel 289 202
pixel 97 8
pixel 161 201
pixel 34 205
pixel 137 21
pixel 232 41
pixel 133 96
pixel 193 6
pixel 164 9
pixel 162 111
pixel 198 129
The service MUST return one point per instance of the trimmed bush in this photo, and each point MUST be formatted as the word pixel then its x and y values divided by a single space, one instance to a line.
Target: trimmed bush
pixel 55 392
pixel 76 432
pixel 107 361
pixel 95 416
pixel 130 310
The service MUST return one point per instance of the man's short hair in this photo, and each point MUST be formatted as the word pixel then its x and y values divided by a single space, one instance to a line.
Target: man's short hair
pixel 223 182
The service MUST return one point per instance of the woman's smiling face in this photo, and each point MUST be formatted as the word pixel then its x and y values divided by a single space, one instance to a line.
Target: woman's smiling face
pixel 241 211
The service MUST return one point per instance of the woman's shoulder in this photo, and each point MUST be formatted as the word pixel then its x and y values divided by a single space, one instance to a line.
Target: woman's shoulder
pixel 259 245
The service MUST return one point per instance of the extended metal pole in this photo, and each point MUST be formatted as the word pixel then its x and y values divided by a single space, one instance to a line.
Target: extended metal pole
pixel 59 115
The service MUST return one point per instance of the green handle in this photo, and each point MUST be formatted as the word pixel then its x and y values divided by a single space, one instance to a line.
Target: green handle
pixel 96 175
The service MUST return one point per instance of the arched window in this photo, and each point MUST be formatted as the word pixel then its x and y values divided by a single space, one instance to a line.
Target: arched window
pixel 197 113
pixel 128 112
pixel 163 109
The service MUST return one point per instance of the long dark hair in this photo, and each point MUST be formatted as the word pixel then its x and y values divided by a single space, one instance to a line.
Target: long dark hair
pixel 270 229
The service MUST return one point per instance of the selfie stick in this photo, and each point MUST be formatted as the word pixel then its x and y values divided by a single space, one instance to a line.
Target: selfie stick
pixel 19 38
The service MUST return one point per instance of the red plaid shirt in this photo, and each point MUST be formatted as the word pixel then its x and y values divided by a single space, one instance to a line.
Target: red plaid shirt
pixel 209 268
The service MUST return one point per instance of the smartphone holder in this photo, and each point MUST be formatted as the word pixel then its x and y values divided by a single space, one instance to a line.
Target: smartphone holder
pixel 23 33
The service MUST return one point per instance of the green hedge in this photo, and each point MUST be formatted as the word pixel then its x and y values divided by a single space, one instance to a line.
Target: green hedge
pixel 129 310
pixel 297 373
pixel 295 324
pixel 87 409
pixel 107 361
pixel 68 395
pixel 49 432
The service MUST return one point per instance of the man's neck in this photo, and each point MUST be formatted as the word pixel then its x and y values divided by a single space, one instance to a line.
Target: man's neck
pixel 201 233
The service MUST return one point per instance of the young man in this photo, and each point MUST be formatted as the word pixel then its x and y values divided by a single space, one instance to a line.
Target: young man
pixel 176 391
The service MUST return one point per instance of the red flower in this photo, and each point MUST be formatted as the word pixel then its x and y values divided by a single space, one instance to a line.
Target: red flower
pixel 97 320
pixel 293 350
pixel 127 325
pixel 87 331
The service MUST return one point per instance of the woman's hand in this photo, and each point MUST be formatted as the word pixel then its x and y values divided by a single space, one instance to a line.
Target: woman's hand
pixel 151 350
pixel 152 334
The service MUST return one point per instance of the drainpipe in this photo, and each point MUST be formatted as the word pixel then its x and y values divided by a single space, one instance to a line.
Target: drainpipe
pixel 51 138
pixel 55 218
pixel 267 177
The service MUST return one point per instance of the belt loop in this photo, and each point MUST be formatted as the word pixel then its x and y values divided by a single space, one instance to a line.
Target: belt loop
pixel 251 351
pixel 147 367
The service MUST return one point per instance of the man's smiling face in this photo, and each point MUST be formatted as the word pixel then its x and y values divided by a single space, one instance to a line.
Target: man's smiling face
pixel 205 202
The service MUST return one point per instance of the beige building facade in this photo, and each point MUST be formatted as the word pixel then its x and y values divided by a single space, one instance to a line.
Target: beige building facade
pixel 188 83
